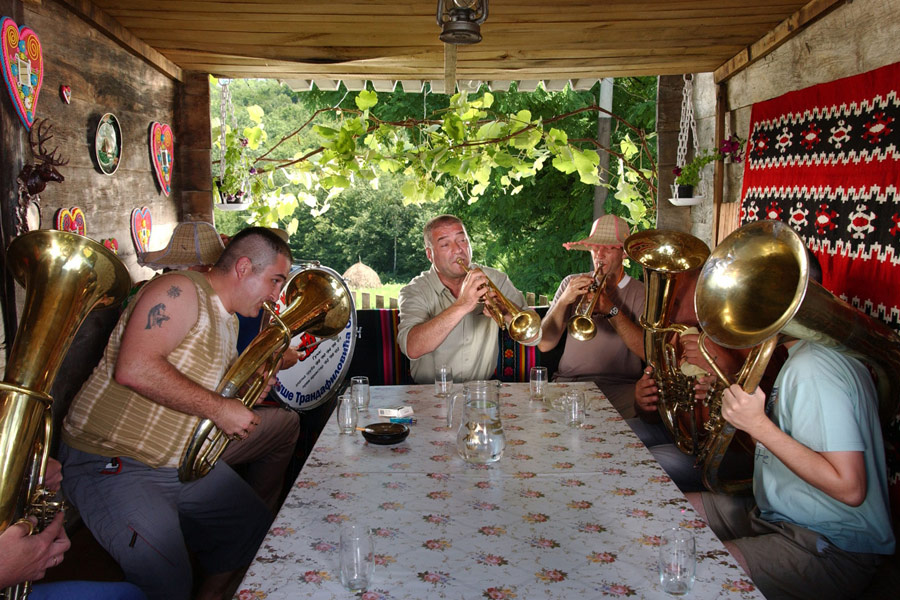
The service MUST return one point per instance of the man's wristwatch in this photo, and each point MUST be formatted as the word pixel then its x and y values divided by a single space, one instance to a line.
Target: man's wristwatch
pixel 612 312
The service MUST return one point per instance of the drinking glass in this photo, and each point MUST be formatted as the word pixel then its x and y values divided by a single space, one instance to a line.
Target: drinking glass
pixel 538 380
pixel 677 561
pixel 347 413
pixel 443 381
pixel 359 387
pixel 357 557
pixel 574 408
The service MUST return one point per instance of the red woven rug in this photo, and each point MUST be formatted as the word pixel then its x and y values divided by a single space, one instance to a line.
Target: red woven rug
pixel 826 159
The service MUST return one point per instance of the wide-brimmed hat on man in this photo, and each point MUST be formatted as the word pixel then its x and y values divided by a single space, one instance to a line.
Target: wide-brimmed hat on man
pixel 192 243
pixel 608 230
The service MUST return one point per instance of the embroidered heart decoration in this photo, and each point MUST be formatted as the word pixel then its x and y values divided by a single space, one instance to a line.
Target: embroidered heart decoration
pixel 112 244
pixel 162 146
pixel 23 68
pixel 141 224
pixel 71 220
pixel 66 93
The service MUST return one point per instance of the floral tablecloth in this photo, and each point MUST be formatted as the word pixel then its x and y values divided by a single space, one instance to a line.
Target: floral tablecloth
pixel 566 513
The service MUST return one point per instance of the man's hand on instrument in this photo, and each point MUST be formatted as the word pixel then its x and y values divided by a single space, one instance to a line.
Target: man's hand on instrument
pixel 702 386
pixel 578 286
pixel 746 412
pixel 234 419
pixel 291 357
pixel 646 394
pixel 25 557
pixel 690 343
pixel 474 287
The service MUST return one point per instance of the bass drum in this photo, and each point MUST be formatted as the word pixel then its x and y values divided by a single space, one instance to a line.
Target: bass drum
pixel 324 362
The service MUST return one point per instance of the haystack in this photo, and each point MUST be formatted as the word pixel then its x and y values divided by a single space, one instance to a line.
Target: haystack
pixel 360 276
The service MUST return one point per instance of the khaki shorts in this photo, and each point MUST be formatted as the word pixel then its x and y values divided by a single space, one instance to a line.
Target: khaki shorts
pixel 786 560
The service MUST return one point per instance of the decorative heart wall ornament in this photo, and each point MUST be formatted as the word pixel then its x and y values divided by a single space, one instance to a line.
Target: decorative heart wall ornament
pixel 72 220
pixel 141 224
pixel 112 244
pixel 65 92
pixel 23 67
pixel 162 153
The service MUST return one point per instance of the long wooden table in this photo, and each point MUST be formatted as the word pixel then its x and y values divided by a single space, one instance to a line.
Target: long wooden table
pixel 566 513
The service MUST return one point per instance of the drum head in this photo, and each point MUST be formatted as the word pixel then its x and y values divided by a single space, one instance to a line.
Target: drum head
pixel 323 363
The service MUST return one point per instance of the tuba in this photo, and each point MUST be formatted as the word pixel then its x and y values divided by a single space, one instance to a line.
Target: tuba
pixel 669 259
pixel 754 288
pixel 317 303
pixel 65 276
pixel 581 326
pixel 525 323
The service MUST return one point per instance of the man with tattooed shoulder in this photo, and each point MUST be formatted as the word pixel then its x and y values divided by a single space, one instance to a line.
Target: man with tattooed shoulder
pixel 127 428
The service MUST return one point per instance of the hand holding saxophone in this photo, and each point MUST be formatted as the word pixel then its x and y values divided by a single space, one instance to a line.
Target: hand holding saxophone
pixel 234 419
pixel 25 557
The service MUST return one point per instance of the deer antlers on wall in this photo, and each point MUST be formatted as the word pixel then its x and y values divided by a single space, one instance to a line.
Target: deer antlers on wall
pixel 33 178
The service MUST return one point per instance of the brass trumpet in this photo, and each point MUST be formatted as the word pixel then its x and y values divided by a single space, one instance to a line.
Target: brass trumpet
pixel 581 326
pixel 525 323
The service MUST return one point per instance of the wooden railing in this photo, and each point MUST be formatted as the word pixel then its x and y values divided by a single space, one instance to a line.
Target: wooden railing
pixel 365 300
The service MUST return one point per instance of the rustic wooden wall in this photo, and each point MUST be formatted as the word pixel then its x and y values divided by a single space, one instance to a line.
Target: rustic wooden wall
pixel 854 38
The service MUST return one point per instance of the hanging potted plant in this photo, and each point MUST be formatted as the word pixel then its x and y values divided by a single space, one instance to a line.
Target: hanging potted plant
pixel 231 181
pixel 687 178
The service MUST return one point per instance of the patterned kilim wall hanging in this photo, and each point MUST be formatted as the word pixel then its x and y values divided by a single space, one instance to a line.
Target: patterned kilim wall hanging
pixel 826 160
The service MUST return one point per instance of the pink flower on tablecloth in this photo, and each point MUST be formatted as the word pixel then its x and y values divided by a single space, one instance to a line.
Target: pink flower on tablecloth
pixel 305 484
pixel 336 518
pixel 441 458
pixel 347 476
pixel 524 475
pixel 438 495
pixel 383 559
pixel 602 557
pixel 492 530
pixel 556 448
pixel 391 506
pixel 591 528
pixel 282 531
pixel 516 442
pixel 485 506
pixel 439 476
pixel 434 577
pixel 415 391
pixel 536 518
pixel 401 450
pixel 563 465
pixel 373 595
pixel 602 455
pixel 342 495
pixel 394 485
pixel 442 443
pixel 251 595
pixel 398 466
pixel 623 492
pixel 580 504
pixel 474 467
pixel 385 532
pixel 507 404
pixel 551 575
pixel 613 471
pixel 550 434
pixel 571 483
pixel 440 428
pixel 316 577
pixel 438 544
pixel 513 428
pixel 531 494
pixel 510 416
pixel 588 426
pixel 618 589
pixel 491 560
pixel 738 585
pixel 650 540
pixel 634 445
pixel 614 419
pixel 496 593
pixel 693 524
pixel 659 479
pixel 321 546
pixel 437 519
pixel 520 457
pixel 542 542
pixel 547 421
pixel 639 513
pixel 482 485
pixel 596 439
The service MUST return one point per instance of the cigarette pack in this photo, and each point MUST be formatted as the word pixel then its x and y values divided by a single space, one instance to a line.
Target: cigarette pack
pixel 395 411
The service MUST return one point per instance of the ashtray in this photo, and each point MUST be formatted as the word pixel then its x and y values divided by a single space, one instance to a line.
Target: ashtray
pixel 385 434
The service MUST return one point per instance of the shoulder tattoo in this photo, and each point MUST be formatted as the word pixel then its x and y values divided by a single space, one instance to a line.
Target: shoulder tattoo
pixel 174 291
pixel 156 316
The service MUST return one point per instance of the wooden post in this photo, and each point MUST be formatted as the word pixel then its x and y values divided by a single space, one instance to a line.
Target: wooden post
pixel 379 301
pixel 194 147
pixel 529 299
pixel 394 303
pixel 366 302
pixel 719 173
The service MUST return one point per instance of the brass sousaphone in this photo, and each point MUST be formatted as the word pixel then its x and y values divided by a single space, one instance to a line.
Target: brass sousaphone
pixel 754 289
pixel 65 276
pixel 317 303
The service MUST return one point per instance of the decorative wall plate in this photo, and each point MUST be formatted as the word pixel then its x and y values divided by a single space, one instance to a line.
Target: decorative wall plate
pixel 112 244
pixel 141 224
pixel 108 143
pixel 72 220
pixel 23 68
pixel 65 92
pixel 162 154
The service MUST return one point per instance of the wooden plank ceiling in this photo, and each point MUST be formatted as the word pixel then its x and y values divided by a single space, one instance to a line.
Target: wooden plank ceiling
pixel 382 41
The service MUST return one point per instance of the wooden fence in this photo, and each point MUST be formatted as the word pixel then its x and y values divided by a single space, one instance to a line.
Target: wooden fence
pixel 365 300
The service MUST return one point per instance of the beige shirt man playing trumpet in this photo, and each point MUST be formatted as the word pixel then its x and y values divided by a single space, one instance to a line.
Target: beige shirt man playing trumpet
pixel 443 320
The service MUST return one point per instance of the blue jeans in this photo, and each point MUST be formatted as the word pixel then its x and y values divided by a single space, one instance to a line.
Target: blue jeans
pixel 86 590
pixel 678 465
